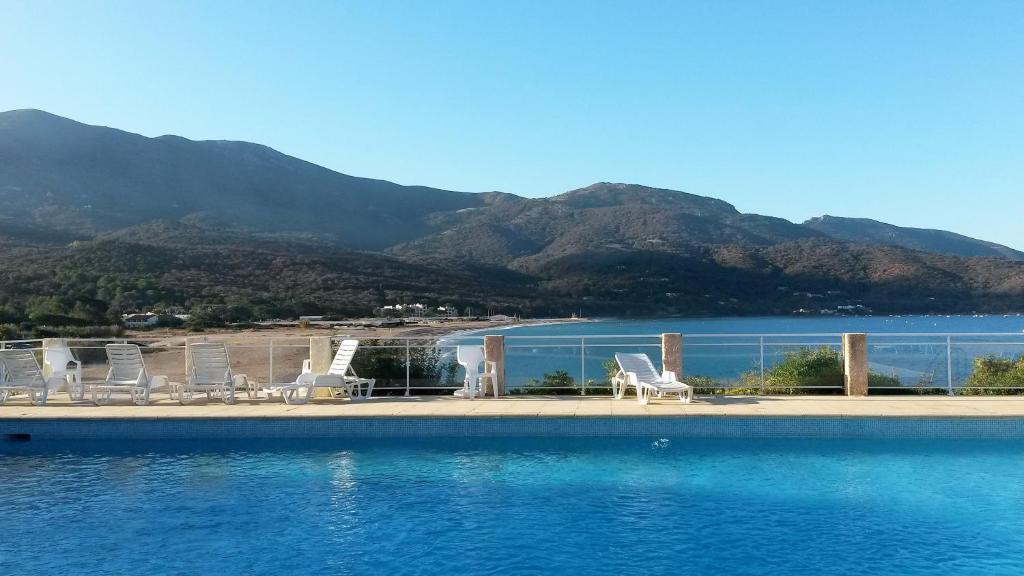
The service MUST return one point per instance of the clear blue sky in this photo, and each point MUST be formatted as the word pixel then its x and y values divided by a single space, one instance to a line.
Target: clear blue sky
pixel 905 111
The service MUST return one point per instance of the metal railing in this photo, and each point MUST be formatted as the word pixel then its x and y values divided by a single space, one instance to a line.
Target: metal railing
pixel 721 362
pixel 945 362
pixel 579 364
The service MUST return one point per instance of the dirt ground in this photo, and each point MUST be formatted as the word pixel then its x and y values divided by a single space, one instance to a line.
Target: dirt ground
pixel 265 354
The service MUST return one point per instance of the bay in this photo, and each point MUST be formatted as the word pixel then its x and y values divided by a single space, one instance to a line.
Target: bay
pixel 921 351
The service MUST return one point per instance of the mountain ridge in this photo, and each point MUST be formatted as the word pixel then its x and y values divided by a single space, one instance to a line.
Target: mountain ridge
pixel 68 190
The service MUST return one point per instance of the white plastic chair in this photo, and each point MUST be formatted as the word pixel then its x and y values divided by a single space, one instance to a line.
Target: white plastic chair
pixel 210 373
pixel 61 367
pixel 21 373
pixel 340 376
pixel 127 375
pixel 470 358
pixel 638 371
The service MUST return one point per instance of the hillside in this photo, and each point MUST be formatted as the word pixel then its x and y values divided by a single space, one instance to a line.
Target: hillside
pixel 95 221
pixel 866 231
pixel 65 176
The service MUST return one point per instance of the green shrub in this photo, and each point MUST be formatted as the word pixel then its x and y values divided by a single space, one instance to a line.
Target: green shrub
pixel 557 382
pixel 996 376
pixel 805 371
pixel 876 380
pixel 9 332
pixel 891 385
pixel 428 370
pixel 799 372
pixel 748 384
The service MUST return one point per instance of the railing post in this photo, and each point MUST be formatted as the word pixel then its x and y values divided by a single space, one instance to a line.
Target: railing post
pixel 855 364
pixel 761 338
pixel 270 368
pixel 494 351
pixel 672 353
pixel 583 366
pixel 949 365
pixel 408 362
pixel 185 375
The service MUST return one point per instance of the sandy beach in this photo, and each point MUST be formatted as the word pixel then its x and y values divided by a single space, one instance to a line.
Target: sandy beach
pixel 275 353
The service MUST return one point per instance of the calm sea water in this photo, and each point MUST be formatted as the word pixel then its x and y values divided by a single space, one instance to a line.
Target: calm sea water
pixel 581 348
pixel 785 325
pixel 492 506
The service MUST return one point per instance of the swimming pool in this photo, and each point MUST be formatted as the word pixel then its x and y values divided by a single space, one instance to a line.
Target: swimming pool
pixel 514 506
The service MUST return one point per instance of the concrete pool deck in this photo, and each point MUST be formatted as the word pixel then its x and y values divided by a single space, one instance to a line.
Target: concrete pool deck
pixel 534 406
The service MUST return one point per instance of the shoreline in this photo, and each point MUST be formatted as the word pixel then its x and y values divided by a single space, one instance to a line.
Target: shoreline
pixel 440 330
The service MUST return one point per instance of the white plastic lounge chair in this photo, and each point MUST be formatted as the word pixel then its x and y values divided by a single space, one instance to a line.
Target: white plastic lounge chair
pixel 210 373
pixel 127 375
pixel 61 366
pixel 21 373
pixel 340 376
pixel 637 370
pixel 470 358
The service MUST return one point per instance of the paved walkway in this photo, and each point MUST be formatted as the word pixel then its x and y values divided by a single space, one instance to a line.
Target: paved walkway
pixel 446 406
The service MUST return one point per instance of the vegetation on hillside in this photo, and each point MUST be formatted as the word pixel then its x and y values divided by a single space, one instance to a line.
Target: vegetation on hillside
pixel 96 222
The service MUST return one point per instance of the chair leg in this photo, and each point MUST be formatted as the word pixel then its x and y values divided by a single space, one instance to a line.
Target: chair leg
pixel 643 395
pixel 39 398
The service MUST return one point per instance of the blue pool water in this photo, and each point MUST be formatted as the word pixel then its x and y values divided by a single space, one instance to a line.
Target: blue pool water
pixel 515 506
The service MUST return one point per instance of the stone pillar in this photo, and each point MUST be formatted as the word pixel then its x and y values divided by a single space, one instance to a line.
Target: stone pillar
pixel 855 364
pixel 321 354
pixel 494 351
pixel 672 353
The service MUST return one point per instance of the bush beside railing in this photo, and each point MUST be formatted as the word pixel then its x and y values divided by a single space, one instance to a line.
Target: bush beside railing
pixel 429 370
pixel 802 371
pixel 995 376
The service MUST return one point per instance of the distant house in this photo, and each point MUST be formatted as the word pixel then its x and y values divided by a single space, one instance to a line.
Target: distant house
pixel 147 320
pixel 416 311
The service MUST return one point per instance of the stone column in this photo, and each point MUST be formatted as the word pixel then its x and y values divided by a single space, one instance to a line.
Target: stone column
pixel 672 353
pixel 855 364
pixel 494 351
pixel 321 354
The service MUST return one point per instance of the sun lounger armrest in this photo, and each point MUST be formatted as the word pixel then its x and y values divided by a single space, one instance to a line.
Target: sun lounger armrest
pixel 307 366
pixel 668 376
